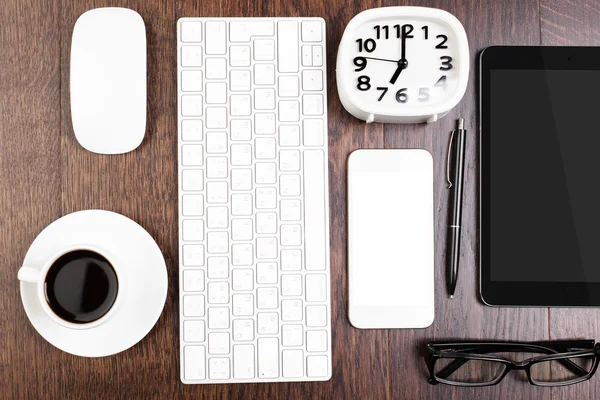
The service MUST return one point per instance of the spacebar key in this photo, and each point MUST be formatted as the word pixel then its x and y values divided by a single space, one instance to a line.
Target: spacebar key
pixel 315 219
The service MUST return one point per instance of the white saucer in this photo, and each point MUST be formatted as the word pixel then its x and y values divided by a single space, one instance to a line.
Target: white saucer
pixel 142 282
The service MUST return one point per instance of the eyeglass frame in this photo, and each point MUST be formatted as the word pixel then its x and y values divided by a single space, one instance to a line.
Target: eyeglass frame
pixel 560 350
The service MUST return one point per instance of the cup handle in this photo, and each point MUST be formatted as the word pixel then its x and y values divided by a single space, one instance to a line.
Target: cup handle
pixel 28 274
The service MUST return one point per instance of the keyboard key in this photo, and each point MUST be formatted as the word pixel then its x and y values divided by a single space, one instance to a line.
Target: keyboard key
pixel 316 341
pixel 268 323
pixel 266 272
pixel 316 287
pixel 315 221
pixel 191 56
pixel 289 185
pixel 266 222
pixel 191 81
pixel 241 105
pixel 243 361
pixel 313 132
pixel 291 335
pixel 216 167
pixel 217 242
pixel 239 80
pixel 317 56
pixel 239 56
pixel 218 343
pixel 307 56
pixel 192 155
pixel 266 173
pixel 264 148
pixel 193 331
pixel 287 46
pixel 268 358
pixel 243 279
pixel 218 292
pixel 216 117
pixel 242 254
pixel 193 305
pixel 291 235
pixel 312 80
pixel 266 247
pixel 218 267
pixel 311 31
pixel 216 192
pixel 216 93
pixel 289 160
pixel 191 31
pixel 194 359
pixel 241 154
pixel 243 330
pixel 289 111
pixel 241 204
pixel 242 31
pixel 291 285
pixel 192 205
pixel 216 68
pixel 266 198
pixel 241 129
pixel 264 123
pixel 191 130
pixel 193 255
pixel 241 179
pixel 290 210
pixel 264 74
pixel 264 99
pixel 291 310
pixel 264 50
pixel 218 317
pixel 192 230
pixel 218 368
pixel 292 363
pixel 193 280
pixel 291 260
pixel 288 86
pixel 316 315
pixel 312 104
pixel 191 105
pixel 317 366
pixel 192 179
pixel 289 135
pixel 216 37
pixel 266 298
pixel 216 142
pixel 217 217
pixel 241 229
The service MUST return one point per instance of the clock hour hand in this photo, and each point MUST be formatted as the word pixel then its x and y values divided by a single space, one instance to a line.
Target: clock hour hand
pixel 402 63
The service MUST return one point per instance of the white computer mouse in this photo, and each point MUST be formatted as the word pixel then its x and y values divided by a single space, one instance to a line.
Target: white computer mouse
pixel 108 80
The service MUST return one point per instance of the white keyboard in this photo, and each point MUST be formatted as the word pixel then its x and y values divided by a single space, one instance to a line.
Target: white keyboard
pixel 253 200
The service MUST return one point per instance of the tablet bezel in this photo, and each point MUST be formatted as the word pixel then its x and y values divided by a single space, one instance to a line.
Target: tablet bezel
pixel 525 294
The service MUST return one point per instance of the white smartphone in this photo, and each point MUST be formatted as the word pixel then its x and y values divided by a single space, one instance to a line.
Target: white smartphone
pixel 390 239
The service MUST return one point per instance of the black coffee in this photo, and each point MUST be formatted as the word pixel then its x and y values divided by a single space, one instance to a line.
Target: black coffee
pixel 81 286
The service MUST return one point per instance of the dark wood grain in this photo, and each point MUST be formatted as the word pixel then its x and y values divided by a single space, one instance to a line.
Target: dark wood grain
pixel 44 174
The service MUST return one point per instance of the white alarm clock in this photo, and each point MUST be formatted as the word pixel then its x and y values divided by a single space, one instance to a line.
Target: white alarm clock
pixel 402 64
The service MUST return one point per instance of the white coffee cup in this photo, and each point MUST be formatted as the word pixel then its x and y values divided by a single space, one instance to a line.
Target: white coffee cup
pixel 37 275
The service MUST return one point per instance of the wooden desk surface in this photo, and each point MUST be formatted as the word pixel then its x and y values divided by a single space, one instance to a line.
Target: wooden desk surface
pixel 45 174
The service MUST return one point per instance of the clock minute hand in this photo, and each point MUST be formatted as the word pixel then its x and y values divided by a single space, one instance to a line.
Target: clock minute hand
pixel 402 63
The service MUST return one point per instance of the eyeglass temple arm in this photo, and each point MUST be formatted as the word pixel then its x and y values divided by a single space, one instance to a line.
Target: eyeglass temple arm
pixel 459 362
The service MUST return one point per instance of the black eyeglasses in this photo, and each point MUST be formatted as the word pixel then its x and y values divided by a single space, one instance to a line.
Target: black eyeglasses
pixel 484 363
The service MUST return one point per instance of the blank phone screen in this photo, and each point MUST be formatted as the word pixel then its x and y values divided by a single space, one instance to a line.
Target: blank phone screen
pixel 544 175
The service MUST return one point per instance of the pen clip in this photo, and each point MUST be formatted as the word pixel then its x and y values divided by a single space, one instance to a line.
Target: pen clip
pixel 448 161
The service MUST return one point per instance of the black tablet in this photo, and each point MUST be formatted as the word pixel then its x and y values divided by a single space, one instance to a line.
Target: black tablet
pixel 540 176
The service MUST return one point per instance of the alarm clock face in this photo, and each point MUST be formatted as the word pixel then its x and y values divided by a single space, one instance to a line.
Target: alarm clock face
pixel 402 60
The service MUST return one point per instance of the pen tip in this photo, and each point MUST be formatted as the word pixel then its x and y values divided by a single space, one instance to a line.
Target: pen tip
pixel 451 297
pixel 461 123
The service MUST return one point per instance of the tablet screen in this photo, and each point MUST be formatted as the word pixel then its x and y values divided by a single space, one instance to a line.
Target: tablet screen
pixel 544 175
